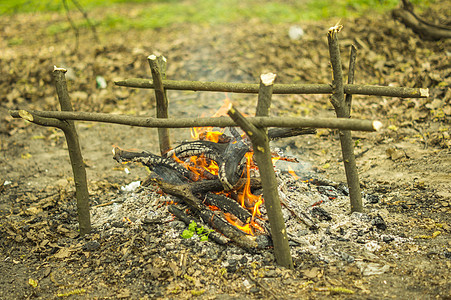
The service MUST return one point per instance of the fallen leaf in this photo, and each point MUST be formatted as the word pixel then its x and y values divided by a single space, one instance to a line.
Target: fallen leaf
pixel 33 283
pixel 62 253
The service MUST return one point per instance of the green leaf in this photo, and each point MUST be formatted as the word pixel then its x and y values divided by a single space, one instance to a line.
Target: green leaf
pixel 186 234
pixel 199 230
pixel 204 238
pixel 192 226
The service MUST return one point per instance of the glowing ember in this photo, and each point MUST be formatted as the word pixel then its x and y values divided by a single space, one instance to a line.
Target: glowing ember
pixel 292 173
pixel 238 224
pixel 126 219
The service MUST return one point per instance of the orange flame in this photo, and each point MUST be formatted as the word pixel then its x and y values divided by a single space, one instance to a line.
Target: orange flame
pixel 238 224
pixel 126 219
pixel 199 165
pixel 292 173
pixel 222 111
pixel 207 133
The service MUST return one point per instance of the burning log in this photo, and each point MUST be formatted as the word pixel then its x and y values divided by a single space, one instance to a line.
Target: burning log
pixel 148 159
pixel 208 149
pixel 245 241
pixel 229 168
pixel 215 151
pixel 215 219
pixel 228 205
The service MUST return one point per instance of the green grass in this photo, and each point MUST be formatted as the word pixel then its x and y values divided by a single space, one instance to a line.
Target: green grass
pixel 158 14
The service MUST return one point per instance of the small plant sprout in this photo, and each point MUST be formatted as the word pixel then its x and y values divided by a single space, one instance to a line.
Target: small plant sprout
pixel 202 232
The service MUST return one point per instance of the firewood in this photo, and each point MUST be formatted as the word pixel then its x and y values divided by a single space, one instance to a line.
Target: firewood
pixel 229 205
pixel 208 149
pixel 151 160
pixel 230 168
pixel 214 219
pixel 245 241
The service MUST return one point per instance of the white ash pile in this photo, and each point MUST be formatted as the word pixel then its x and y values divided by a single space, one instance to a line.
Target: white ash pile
pixel 316 213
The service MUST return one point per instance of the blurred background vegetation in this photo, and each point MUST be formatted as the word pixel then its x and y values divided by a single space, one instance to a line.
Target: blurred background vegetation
pixel 163 13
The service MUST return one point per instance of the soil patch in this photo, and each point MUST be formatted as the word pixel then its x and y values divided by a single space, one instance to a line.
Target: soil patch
pixel 404 169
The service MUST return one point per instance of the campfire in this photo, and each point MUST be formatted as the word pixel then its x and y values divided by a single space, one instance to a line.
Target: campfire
pixel 217 178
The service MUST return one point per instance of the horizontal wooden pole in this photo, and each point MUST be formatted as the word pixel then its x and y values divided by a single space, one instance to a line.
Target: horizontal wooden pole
pixel 252 88
pixel 287 122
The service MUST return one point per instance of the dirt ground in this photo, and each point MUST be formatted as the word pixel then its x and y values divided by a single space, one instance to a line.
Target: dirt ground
pixel 406 165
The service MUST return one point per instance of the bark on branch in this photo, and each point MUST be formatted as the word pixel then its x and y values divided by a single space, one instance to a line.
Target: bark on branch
pixel 252 88
pixel 286 122
pixel 262 153
pixel 342 110
pixel 76 159
pixel 158 68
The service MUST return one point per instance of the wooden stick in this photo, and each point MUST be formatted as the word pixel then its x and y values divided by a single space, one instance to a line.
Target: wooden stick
pixel 262 154
pixel 157 66
pixel 342 111
pixel 76 159
pixel 252 88
pixel 286 122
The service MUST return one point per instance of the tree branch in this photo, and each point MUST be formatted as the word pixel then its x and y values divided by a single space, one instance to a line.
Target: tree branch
pixel 76 159
pixel 342 110
pixel 286 122
pixel 262 154
pixel 157 66
pixel 252 88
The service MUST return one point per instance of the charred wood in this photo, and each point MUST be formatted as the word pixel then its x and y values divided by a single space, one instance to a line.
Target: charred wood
pixel 166 174
pixel 151 160
pixel 245 241
pixel 229 205
pixel 214 219
pixel 230 168
pixel 209 149
pixel 279 133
